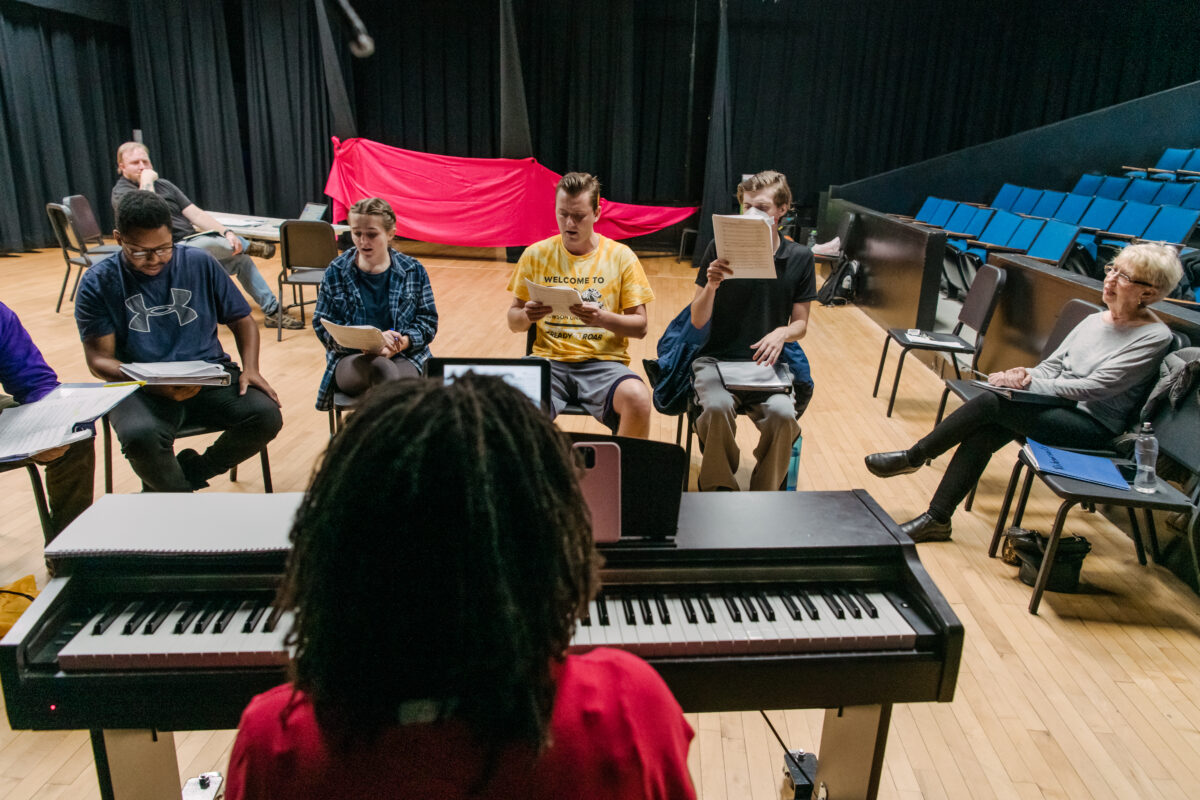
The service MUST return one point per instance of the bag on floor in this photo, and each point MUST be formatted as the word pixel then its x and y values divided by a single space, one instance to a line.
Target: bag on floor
pixel 14 599
pixel 841 287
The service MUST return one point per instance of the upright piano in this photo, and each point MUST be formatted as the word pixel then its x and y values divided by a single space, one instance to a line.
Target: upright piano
pixel 770 600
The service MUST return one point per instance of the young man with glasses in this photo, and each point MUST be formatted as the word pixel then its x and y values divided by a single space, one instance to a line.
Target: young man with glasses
pixel 156 302
pixel 231 251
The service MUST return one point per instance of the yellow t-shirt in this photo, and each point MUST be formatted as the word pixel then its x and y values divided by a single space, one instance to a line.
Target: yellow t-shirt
pixel 610 275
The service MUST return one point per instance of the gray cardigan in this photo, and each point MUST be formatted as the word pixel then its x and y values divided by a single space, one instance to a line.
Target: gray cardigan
pixel 1107 368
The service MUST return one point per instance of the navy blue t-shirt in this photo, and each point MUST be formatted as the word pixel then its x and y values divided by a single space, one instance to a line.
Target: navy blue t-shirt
pixel 172 316
pixel 373 289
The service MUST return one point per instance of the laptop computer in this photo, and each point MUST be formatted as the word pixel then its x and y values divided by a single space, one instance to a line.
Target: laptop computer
pixel 313 212
pixel 530 375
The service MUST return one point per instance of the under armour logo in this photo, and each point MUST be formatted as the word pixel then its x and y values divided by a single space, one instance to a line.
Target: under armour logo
pixel 141 315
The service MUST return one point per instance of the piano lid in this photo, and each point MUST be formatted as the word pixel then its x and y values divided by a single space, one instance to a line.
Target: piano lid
pixel 173 524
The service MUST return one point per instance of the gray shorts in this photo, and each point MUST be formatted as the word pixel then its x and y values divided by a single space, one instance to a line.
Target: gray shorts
pixel 590 384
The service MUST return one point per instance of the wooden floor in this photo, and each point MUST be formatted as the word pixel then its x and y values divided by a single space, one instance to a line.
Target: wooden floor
pixel 1097 697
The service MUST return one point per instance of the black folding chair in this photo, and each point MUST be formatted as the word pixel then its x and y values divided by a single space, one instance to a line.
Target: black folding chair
pixel 306 248
pixel 977 309
pixel 182 433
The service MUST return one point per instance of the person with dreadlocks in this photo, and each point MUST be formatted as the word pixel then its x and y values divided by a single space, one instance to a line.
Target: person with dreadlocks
pixel 430 631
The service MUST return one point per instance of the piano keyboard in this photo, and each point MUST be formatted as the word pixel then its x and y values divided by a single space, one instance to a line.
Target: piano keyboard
pixel 185 633
pixel 147 633
pixel 746 619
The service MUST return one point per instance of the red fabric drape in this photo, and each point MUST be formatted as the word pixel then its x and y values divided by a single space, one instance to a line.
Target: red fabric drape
pixel 480 202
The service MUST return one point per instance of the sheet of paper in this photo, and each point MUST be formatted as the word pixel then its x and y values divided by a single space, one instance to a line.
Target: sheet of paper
pixel 745 242
pixel 178 373
pixel 48 423
pixel 560 298
pixel 236 222
pixel 355 337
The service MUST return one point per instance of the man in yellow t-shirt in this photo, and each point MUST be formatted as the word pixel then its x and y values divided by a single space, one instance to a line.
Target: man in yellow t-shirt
pixel 587 348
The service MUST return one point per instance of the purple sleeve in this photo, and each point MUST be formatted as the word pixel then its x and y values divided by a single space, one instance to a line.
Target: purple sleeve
pixel 23 372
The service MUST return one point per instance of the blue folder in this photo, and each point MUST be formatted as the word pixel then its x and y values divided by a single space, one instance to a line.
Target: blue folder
pixel 1081 467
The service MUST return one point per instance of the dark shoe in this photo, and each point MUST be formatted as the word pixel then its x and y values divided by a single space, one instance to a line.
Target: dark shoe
pixel 260 249
pixel 192 464
pixel 926 529
pixel 281 318
pixel 885 465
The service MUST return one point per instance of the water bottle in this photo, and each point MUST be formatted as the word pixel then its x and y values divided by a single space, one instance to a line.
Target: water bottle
pixel 794 465
pixel 812 238
pixel 1145 451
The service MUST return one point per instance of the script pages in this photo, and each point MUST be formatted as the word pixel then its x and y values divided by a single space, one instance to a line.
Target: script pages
pixel 60 418
pixel 559 298
pixel 356 337
pixel 744 240
pixel 177 373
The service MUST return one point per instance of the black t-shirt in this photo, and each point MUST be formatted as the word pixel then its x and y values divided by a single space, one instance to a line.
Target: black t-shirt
pixel 373 288
pixel 175 199
pixel 746 310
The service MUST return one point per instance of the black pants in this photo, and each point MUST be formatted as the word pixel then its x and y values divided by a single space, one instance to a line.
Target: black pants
pixel 146 426
pixel 986 423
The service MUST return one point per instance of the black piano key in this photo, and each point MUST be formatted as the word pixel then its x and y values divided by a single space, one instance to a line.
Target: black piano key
pixel 849 603
pixel 140 612
pixel 810 607
pixel 734 614
pixel 689 610
pixel 207 614
pixel 767 609
pixel 585 620
pixel 231 607
pixel 664 613
pixel 108 614
pixel 866 603
pixel 602 610
pixel 751 611
pixel 791 606
pixel 834 605
pixel 159 616
pixel 252 621
pixel 272 619
pixel 627 607
pixel 647 614
pixel 189 610
pixel 706 610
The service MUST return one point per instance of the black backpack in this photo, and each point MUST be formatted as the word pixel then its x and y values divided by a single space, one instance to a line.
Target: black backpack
pixel 841 286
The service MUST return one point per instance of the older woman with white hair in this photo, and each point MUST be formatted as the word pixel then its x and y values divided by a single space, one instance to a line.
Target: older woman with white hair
pixel 1105 365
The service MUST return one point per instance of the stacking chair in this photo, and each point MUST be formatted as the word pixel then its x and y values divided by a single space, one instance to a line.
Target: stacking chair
pixel 1026 201
pixel 74 250
pixel 1072 208
pixel 182 433
pixel 306 248
pixel 1178 432
pixel 1173 158
pixel 1048 204
pixel 977 310
pixel 39 492
pixel 1006 197
pixel 1087 184
pixel 1172 193
pixel 86 225
pixel 1142 190
pixel 1112 187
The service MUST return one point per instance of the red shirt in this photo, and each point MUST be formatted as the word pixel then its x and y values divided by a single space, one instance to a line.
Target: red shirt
pixel 616 733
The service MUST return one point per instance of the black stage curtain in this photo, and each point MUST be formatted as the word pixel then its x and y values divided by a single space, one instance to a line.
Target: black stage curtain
pixel 433 83
pixel 832 92
pixel 289 122
pixel 187 100
pixel 64 99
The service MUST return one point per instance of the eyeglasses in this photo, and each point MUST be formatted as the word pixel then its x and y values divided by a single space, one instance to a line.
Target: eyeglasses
pixel 163 253
pixel 1124 277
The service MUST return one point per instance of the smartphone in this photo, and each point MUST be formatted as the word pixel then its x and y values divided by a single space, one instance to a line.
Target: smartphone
pixel 601 486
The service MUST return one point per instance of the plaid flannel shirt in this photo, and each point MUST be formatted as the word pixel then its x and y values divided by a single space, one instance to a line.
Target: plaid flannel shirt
pixel 410 302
